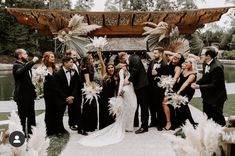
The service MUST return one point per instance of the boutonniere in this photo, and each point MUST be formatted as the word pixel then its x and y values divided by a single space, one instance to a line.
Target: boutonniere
pixel 156 66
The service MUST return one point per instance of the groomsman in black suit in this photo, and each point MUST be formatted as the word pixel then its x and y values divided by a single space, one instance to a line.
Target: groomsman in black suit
pixel 69 86
pixel 212 88
pixel 138 77
pixel 157 68
pixel 24 93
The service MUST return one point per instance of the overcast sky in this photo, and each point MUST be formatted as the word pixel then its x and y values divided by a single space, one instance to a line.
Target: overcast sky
pixel 99 4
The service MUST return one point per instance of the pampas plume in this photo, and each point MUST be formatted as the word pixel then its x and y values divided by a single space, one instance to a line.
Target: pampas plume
pixel 14 123
pixel 205 140
pixel 36 146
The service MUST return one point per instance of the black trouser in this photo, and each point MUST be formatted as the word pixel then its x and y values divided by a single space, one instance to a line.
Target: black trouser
pixel 26 113
pixel 74 112
pixel 214 111
pixel 155 106
pixel 142 100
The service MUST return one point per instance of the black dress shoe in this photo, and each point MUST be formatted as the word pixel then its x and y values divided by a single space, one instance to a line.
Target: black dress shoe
pixel 82 132
pixel 141 130
pixel 73 127
pixel 159 128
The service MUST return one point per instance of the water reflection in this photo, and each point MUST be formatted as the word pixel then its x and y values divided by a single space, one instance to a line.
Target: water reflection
pixel 7 81
pixel 6 85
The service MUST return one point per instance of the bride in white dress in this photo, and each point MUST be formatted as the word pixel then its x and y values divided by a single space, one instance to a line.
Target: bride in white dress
pixel 127 103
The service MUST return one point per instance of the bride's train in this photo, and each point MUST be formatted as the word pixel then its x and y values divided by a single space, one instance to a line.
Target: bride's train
pixel 115 132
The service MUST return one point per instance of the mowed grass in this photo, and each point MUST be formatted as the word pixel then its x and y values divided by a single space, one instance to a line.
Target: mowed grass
pixel 229 106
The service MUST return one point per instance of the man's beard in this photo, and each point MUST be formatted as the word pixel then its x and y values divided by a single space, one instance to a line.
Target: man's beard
pixel 24 60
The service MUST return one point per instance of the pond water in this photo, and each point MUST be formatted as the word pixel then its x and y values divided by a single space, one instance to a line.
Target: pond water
pixel 7 81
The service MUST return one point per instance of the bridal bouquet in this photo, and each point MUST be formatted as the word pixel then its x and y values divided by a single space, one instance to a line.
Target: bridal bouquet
pixel 177 100
pixel 116 106
pixel 91 91
pixel 166 82
pixel 38 78
pixel 98 42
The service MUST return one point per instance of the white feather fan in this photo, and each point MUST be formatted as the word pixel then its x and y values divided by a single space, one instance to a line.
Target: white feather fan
pixel 116 106
pixel 98 42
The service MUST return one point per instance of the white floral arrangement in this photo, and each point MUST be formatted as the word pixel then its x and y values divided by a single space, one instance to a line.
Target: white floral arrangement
pixel 98 42
pixel 166 82
pixel 36 145
pixel 204 140
pixel 177 100
pixel 91 91
pixel 156 65
pixel 116 106
pixel 38 78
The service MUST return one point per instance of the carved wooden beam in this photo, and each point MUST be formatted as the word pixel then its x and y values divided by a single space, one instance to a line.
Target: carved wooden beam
pixel 120 24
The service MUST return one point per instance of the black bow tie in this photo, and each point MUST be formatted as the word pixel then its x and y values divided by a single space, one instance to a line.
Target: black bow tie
pixel 69 71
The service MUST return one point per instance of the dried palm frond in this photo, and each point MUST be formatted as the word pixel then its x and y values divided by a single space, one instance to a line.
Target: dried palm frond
pixel 156 34
pixel 179 45
pixel 73 35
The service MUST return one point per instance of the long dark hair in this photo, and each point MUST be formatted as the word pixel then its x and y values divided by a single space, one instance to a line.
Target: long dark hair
pixel 109 77
pixel 85 64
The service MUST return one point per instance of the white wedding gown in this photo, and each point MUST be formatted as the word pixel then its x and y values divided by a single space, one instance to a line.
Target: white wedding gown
pixel 115 132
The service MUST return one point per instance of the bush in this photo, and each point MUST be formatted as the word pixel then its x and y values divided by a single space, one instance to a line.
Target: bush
pixel 229 55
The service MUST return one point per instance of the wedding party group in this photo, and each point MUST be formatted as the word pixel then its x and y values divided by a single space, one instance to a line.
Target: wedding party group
pixel 130 94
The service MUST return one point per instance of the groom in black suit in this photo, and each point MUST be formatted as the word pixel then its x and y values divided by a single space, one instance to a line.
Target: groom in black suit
pixel 24 93
pixel 138 77
pixel 212 88
pixel 69 88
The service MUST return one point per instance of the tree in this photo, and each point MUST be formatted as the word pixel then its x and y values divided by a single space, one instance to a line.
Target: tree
pixel 84 5
pixel 14 35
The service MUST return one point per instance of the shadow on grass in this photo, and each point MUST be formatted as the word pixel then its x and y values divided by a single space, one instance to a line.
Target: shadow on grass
pixel 57 144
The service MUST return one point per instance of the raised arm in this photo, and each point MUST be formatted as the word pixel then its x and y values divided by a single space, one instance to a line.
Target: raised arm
pixel 103 67
pixel 190 79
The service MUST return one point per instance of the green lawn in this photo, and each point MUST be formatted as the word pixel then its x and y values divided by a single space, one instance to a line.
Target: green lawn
pixel 229 106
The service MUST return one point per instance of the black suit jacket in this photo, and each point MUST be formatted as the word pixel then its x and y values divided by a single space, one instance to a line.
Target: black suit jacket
pixel 24 88
pixel 64 90
pixel 162 70
pixel 212 84
pixel 138 75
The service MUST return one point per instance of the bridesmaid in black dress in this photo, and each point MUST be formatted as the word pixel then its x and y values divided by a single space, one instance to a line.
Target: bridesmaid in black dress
pixel 174 70
pixel 183 88
pixel 110 85
pixel 54 124
pixel 89 112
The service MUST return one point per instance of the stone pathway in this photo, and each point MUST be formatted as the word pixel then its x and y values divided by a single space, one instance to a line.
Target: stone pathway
pixel 152 143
